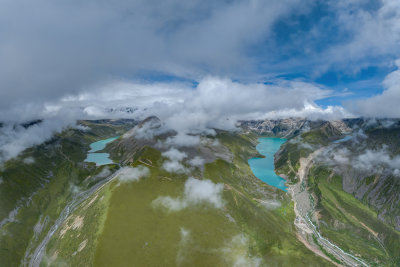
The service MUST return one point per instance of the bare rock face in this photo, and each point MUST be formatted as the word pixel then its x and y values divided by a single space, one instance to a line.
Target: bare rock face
pixel 341 126
pixel 280 127
pixel 290 127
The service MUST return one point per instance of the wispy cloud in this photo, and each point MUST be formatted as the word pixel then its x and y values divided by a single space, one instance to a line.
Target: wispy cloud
pixel 366 160
pixel 181 107
pixel 15 138
pixel 385 105
pixel 196 192
pixel 237 253
pixel 174 162
pixel 129 174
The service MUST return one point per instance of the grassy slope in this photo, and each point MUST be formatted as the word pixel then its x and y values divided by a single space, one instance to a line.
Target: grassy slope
pixel 346 220
pixel 341 212
pixel 47 182
pixel 287 161
pixel 272 230
pixel 137 232
pixel 75 242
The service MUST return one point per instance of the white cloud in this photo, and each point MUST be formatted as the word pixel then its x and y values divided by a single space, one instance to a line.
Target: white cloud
pixel 369 160
pixel 196 192
pixel 129 174
pixel 196 161
pixel 174 154
pixel 365 33
pixel 174 164
pixel 218 103
pixel 372 159
pixel 189 39
pixel 183 246
pixel 182 139
pixel 237 252
pixel 108 38
pixel 190 111
pixel 385 104
pixel 270 204
pixel 29 160
pixel 83 128
pixel 174 167
pixel 187 110
pixel 301 143
pixel 15 138
pixel 147 129
pixel 181 107
pixel 342 156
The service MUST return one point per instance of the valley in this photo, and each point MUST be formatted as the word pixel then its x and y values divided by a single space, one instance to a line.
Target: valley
pixel 233 133
pixel 152 202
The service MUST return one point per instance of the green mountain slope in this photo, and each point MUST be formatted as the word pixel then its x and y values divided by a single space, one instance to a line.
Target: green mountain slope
pixel 353 206
pixel 33 192
pixel 135 230
pixel 154 206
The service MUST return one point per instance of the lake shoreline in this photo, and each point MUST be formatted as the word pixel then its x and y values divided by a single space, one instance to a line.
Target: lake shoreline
pixel 100 158
pixel 264 167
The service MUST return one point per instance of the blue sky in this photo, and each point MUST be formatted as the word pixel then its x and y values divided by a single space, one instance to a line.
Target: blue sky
pixel 297 44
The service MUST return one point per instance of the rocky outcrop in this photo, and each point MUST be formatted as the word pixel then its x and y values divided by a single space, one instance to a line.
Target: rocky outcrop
pixel 280 127
pixel 290 127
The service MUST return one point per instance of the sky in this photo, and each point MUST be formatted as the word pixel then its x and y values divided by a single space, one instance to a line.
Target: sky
pixel 210 61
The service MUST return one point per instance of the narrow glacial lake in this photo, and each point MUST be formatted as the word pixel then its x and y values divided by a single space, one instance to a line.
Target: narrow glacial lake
pixel 264 168
pixel 99 158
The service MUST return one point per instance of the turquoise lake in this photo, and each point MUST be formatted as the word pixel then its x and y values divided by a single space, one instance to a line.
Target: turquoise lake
pixel 100 145
pixel 99 158
pixel 264 168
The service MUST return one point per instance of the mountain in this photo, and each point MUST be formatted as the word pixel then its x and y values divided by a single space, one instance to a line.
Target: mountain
pixel 287 128
pixel 353 184
pixel 161 203
pixel 36 186
pixel 198 205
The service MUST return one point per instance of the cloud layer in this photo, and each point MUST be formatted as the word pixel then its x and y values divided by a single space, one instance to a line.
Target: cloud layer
pixel 197 65
pixel 15 138
pixel 50 49
pixel 180 106
pixel 213 103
